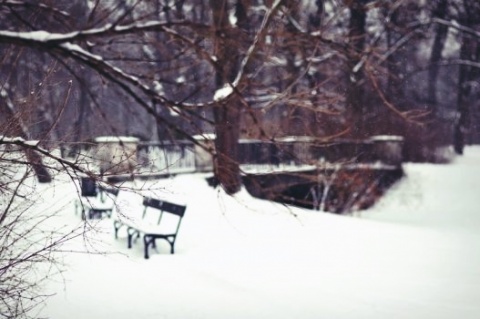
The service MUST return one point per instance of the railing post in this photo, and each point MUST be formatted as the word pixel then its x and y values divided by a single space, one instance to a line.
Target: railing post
pixel 388 149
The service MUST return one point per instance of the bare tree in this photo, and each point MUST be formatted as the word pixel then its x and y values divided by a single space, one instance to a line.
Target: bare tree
pixel 468 75
pixel 167 69
pixel 28 241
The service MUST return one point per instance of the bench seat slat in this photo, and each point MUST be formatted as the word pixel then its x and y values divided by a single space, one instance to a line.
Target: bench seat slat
pixel 147 228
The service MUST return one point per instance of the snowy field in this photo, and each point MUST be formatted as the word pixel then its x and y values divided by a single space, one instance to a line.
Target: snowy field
pixel 416 254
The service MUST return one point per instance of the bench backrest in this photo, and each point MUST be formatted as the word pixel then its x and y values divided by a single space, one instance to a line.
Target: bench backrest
pixel 108 193
pixel 164 206
pixel 88 187
pixel 109 190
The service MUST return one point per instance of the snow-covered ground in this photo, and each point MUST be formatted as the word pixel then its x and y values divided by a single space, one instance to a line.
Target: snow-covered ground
pixel 416 254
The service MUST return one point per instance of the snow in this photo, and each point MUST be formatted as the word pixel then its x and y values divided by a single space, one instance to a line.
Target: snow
pixel 44 36
pixel 414 255
pixel 38 36
pixel 116 139
pixel 445 207
pixel 78 49
pixel 223 93
pixel 7 139
pixel 387 138
pixel 297 168
pixel 205 136
pixel 158 88
pixel 181 79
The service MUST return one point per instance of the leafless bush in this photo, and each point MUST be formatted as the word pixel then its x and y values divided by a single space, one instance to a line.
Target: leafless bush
pixel 32 234
pixel 25 247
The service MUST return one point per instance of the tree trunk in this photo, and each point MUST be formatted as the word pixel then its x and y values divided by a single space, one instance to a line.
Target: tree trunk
pixel 439 42
pixel 469 51
pixel 395 61
pixel 356 38
pixel 226 113
pixel 79 123
pixel 465 78
pixel 315 19
pixel 226 166
pixel 298 117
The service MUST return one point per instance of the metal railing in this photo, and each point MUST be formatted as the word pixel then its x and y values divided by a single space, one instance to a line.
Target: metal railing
pixel 166 157
pixel 183 156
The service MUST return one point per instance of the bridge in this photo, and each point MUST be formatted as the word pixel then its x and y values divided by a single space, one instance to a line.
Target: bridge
pixel 338 176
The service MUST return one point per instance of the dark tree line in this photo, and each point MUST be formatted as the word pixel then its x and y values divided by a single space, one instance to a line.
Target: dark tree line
pixel 73 70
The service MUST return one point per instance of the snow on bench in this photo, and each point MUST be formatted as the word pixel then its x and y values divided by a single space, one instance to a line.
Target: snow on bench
pixel 149 218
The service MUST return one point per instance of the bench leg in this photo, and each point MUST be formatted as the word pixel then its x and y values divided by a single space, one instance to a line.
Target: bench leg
pixel 149 240
pixel 146 243
pixel 131 232
pixel 116 226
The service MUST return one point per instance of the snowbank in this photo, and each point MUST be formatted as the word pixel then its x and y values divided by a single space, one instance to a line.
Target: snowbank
pixel 415 255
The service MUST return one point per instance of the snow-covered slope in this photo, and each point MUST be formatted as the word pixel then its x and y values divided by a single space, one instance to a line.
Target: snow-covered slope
pixel 415 255
pixel 436 196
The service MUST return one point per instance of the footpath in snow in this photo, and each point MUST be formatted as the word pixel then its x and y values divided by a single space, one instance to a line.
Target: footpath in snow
pixel 416 254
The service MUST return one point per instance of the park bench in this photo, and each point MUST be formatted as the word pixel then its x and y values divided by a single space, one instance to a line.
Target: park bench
pixel 154 219
pixel 95 200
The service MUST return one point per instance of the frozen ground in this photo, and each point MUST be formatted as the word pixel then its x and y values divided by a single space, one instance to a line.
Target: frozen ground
pixel 414 255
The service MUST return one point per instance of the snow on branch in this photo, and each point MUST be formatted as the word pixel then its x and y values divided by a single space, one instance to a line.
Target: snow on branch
pixel 65 43
pixel 125 81
pixel 118 75
pixel 248 56
pixel 106 30
pixel 223 93
pixel 455 25
pixel 229 88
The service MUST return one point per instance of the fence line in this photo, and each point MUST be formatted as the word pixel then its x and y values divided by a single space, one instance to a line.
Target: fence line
pixel 165 157
pixel 183 156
